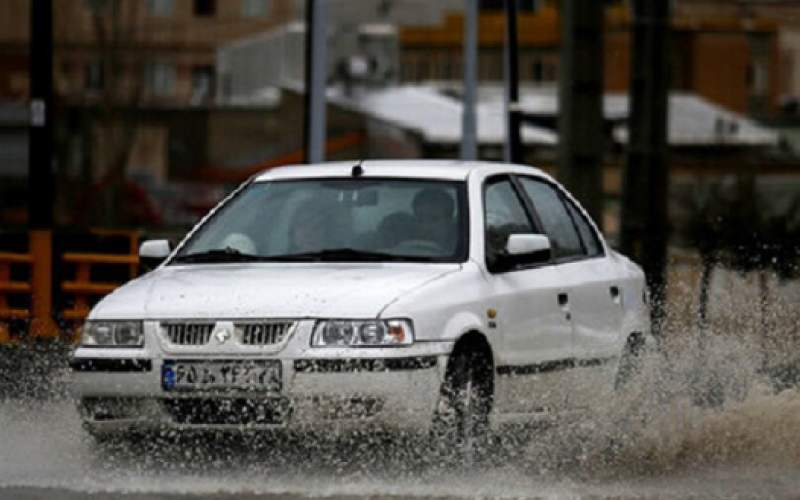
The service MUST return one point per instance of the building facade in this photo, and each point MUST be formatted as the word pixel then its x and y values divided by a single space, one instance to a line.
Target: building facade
pixel 155 51
pixel 730 60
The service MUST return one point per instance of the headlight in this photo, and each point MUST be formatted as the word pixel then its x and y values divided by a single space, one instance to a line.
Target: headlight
pixel 359 333
pixel 112 334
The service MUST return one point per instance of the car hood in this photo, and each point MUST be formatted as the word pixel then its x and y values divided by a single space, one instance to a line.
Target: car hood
pixel 267 290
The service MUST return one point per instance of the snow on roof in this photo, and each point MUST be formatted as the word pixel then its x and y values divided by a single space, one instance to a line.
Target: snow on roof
pixel 427 110
pixel 436 116
pixel 693 120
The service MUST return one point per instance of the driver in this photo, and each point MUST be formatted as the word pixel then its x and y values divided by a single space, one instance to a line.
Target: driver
pixel 433 211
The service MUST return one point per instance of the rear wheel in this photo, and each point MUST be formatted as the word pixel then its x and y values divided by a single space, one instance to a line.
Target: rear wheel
pixel 461 423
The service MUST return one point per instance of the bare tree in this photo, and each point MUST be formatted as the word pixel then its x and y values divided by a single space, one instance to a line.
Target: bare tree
pixel 116 32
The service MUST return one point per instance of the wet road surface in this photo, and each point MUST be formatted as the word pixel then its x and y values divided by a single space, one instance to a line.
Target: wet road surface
pixel 748 451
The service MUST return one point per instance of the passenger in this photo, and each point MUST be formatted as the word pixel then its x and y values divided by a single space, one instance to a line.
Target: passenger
pixel 433 211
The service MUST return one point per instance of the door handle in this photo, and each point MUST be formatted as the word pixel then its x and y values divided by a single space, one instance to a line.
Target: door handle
pixel 614 292
pixel 563 299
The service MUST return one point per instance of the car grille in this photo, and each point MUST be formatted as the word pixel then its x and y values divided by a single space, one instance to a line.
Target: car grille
pixel 228 411
pixel 188 333
pixel 252 333
pixel 264 333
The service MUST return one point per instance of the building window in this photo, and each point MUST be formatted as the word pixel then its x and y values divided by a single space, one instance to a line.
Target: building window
pixel 255 8
pixel 492 4
pixel 95 75
pixel 205 7
pixel 758 78
pixel 202 84
pixel 550 72
pixel 160 79
pixel 423 70
pixel 522 5
pixel 160 8
pixel 407 68
pixel 537 71
pixel 446 71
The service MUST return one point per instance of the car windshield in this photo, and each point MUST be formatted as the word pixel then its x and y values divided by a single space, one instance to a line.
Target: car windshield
pixel 344 220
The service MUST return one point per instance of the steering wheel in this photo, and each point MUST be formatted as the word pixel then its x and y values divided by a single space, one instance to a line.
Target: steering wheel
pixel 419 247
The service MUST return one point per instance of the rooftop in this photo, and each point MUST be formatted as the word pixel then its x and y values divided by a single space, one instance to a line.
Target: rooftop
pixel 435 116
pixel 434 112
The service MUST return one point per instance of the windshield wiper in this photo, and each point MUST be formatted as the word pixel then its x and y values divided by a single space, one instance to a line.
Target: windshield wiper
pixel 218 255
pixel 348 255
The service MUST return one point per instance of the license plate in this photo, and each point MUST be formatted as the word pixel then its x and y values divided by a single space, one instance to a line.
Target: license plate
pixel 250 375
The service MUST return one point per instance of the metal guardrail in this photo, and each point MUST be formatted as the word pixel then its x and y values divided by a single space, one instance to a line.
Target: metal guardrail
pixel 9 287
pixel 82 288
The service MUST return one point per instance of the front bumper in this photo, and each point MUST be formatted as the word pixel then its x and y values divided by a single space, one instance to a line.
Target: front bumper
pixel 331 389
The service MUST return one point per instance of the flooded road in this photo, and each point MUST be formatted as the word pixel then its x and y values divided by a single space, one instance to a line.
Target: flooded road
pixel 750 449
pixel 703 420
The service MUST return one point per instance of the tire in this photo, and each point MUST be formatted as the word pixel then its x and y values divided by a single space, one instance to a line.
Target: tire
pixel 461 424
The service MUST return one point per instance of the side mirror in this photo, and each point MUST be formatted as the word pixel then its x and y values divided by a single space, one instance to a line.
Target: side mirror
pixel 154 250
pixel 535 246
pixel 523 249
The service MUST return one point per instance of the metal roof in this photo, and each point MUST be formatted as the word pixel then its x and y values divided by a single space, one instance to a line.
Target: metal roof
pixel 435 116
pixel 693 120
pixel 428 110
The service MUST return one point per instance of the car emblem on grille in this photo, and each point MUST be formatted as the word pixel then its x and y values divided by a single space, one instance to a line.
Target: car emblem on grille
pixel 222 335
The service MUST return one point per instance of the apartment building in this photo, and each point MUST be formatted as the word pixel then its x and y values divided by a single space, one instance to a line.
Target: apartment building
pixel 731 60
pixel 154 51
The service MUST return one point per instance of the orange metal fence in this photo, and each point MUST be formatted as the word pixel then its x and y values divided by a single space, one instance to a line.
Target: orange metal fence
pixel 8 287
pixel 82 288
pixel 81 291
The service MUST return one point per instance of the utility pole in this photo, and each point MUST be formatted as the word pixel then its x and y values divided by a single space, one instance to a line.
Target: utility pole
pixel 469 127
pixel 580 116
pixel 315 80
pixel 644 204
pixel 40 166
pixel 513 150
pixel 40 143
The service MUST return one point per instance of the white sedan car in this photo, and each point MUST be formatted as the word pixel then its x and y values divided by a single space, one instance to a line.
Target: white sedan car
pixel 435 295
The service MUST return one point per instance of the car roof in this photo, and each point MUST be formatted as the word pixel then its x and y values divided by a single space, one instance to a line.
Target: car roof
pixel 414 169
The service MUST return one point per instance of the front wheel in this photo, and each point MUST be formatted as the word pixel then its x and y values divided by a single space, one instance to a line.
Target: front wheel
pixel 461 423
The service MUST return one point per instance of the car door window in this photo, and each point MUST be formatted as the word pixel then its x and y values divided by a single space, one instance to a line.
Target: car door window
pixel 554 217
pixel 588 235
pixel 505 215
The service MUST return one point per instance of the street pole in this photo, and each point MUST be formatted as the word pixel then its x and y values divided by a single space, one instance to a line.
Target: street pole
pixel 469 127
pixel 646 180
pixel 40 143
pixel 580 116
pixel 513 149
pixel 40 167
pixel 315 80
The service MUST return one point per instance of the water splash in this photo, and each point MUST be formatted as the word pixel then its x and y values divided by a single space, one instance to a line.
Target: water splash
pixel 705 416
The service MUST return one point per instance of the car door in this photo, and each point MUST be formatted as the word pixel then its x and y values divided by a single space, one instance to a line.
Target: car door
pixel 593 284
pixel 535 331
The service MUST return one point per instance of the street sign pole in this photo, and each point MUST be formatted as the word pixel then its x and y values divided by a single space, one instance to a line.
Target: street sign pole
pixel 580 115
pixel 40 168
pixel 469 132
pixel 513 150
pixel 646 180
pixel 315 80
